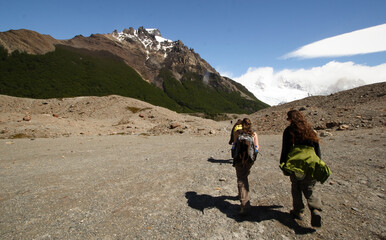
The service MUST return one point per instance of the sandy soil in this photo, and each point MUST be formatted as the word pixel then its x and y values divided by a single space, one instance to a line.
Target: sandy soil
pixel 94 116
pixel 181 186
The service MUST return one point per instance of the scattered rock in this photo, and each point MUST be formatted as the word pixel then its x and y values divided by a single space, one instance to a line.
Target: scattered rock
pixel 343 127
pixel 174 125
pixel 325 134
pixel 27 118
pixel 320 127
pixel 355 209
pixel 55 115
pixel 141 115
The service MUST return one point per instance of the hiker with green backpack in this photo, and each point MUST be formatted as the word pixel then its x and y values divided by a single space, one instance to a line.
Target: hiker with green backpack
pixel 246 145
pixel 301 160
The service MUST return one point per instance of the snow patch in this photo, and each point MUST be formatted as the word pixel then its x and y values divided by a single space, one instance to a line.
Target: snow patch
pixel 160 43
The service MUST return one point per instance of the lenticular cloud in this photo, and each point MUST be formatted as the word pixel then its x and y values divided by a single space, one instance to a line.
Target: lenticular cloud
pixel 288 85
pixel 368 40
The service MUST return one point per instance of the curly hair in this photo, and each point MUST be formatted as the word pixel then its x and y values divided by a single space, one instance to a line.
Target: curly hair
pixel 300 129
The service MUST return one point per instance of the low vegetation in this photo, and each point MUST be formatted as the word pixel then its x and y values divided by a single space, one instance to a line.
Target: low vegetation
pixel 196 96
pixel 71 72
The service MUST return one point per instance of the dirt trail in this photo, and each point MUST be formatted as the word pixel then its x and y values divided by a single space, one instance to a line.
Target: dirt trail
pixel 181 187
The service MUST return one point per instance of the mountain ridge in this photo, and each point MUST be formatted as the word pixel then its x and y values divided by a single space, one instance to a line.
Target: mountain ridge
pixel 149 54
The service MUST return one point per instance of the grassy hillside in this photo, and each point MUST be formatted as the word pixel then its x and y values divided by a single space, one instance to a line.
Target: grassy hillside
pixel 196 96
pixel 70 72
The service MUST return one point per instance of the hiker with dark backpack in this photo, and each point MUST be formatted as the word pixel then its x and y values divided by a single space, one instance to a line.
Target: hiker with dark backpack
pixel 246 148
pixel 232 140
pixel 301 160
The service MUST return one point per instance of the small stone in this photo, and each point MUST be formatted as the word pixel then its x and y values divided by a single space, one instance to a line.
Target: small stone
pixel 222 179
pixel 174 125
pixel 325 134
pixel 355 209
pixel 343 127
pixel 27 118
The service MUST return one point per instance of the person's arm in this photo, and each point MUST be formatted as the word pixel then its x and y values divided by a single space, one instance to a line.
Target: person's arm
pixel 256 141
pixel 286 145
pixel 317 150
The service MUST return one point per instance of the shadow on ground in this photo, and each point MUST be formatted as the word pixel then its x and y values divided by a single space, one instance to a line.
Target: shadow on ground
pixel 257 214
pixel 221 161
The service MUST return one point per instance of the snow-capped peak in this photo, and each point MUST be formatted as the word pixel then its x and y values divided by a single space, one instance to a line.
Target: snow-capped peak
pixel 150 38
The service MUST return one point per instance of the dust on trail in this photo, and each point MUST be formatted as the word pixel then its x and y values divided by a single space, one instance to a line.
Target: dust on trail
pixel 181 187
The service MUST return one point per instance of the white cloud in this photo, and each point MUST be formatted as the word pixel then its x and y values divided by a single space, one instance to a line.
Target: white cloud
pixel 289 85
pixel 368 40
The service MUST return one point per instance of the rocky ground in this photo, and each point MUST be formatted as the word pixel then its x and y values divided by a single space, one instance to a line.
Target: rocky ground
pixel 117 168
pixel 181 187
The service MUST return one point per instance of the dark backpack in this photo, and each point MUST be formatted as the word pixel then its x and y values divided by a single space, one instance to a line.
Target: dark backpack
pixel 244 149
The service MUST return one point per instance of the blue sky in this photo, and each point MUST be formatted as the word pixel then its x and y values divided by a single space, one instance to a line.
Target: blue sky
pixel 235 37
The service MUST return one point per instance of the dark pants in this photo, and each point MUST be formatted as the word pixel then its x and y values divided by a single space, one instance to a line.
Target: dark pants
pixel 242 172
pixel 305 186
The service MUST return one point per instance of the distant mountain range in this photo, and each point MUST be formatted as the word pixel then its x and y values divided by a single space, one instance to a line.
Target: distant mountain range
pixel 133 63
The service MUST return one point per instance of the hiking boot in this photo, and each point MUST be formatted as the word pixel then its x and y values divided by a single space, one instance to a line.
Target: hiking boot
pixel 316 219
pixel 297 214
pixel 245 210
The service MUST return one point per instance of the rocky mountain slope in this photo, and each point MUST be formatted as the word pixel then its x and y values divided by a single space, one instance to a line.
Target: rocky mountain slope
pixel 164 63
pixel 27 41
pixel 358 108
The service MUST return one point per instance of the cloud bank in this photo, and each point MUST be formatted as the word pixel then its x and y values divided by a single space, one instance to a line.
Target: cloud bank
pixel 288 85
pixel 368 40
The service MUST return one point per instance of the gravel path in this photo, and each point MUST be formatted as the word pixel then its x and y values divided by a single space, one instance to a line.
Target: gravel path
pixel 181 187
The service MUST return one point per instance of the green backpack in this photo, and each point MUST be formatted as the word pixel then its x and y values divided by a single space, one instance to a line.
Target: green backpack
pixel 302 160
